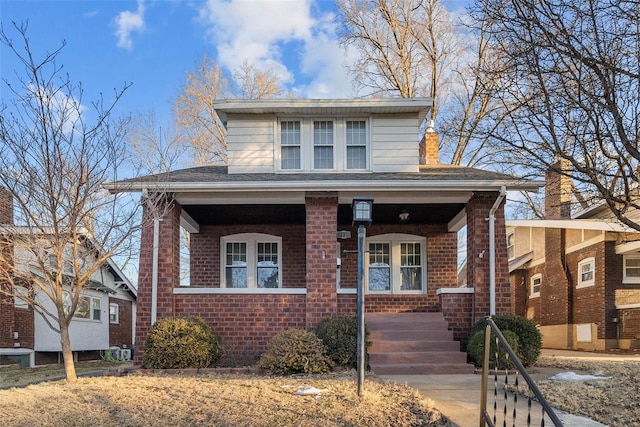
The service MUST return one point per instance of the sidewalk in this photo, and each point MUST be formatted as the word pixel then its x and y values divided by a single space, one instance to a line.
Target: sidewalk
pixel 458 396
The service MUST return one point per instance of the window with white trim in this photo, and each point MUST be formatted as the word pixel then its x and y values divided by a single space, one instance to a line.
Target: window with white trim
pixel 631 269
pixel 586 272
pixel 290 149
pixel 322 144
pixel 251 260
pixel 114 313
pixel 356 141
pixel 396 264
pixel 536 284
pixel 88 307
pixel 511 245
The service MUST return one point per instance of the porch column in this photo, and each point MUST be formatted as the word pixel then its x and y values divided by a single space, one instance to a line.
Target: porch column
pixel 321 257
pixel 478 255
pixel 155 285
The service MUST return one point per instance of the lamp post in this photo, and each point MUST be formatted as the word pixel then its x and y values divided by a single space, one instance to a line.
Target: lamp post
pixel 362 209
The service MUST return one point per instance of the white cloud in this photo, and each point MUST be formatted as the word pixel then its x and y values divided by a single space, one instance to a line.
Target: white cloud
pixel 282 36
pixel 127 22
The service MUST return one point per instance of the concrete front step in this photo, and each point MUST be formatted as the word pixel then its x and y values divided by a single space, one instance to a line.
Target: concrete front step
pixel 378 346
pixel 417 357
pixel 423 369
pixel 413 343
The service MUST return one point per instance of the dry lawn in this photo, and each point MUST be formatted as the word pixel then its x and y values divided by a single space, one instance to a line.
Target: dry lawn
pixel 615 402
pixel 160 400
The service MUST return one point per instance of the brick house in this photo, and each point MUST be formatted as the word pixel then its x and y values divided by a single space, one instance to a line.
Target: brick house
pixel 105 316
pixel 578 276
pixel 271 234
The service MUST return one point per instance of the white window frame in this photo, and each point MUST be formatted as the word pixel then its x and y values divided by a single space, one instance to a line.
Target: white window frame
pixel 395 240
pixel 625 278
pixel 251 240
pixel 532 282
pixel 92 310
pixel 512 247
pixel 116 306
pixel 307 147
pixel 586 283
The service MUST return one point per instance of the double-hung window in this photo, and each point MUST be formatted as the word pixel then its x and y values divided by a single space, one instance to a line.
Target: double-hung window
pixel 511 245
pixel 356 141
pixel 290 139
pixel 586 272
pixel 322 144
pixel 114 313
pixel 251 261
pixel 631 269
pixel 396 264
pixel 536 284
pixel 88 307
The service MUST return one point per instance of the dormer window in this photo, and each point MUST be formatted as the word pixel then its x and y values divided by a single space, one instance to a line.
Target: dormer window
pixel 323 145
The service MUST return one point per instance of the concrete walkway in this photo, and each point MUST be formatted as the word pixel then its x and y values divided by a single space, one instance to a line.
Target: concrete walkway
pixel 458 396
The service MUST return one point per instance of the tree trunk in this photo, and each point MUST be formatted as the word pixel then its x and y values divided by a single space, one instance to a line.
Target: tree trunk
pixel 67 354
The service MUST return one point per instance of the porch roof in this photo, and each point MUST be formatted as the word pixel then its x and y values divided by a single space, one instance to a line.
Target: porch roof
pixel 430 178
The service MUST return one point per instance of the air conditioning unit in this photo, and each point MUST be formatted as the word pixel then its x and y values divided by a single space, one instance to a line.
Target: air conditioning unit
pixel 125 354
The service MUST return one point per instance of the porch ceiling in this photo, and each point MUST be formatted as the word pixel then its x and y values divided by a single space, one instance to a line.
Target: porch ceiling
pixel 295 213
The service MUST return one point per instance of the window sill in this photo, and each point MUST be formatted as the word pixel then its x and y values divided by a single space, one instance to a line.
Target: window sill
pixel 236 291
pixel 534 296
pixel 585 285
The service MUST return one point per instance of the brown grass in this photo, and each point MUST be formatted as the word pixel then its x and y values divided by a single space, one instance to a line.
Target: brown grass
pixel 160 400
pixel 615 402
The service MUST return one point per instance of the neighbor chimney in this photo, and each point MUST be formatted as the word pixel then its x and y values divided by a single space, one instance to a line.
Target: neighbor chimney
pixel 428 148
pixel 6 207
pixel 557 202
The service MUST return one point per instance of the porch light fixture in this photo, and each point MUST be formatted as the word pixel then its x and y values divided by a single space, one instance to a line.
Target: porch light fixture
pixel 403 216
pixel 362 210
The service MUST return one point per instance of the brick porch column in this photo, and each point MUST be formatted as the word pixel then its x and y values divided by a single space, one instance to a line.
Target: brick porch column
pixel 321 227
pixel 168 269
pixel 7 308
pixel 478 255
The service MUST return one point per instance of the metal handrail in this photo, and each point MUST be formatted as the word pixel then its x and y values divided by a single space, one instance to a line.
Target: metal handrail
pixel 484 415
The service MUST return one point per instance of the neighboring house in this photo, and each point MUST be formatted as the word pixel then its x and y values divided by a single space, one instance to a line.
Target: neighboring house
pixel 272 241
pixel 577 277
pixel 105 316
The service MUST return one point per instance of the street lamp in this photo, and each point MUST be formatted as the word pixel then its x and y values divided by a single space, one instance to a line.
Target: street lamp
pixel 362 210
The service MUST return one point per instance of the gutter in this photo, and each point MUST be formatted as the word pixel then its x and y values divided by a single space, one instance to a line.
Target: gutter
pixel 492 250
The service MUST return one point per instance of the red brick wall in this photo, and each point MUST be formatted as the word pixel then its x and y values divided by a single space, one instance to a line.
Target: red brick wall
pixel 245 322
pixel 457 310
pixel 629 319
pixel 120 333
pixel 478 255
pixel 6 207
pixel 168 270
pixel 205 252
pixel 557 287
pixel 321 255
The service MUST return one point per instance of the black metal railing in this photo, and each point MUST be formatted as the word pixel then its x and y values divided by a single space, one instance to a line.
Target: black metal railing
pixel 506 392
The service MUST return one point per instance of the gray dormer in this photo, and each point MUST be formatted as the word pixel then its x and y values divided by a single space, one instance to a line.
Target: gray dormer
pixel 323 135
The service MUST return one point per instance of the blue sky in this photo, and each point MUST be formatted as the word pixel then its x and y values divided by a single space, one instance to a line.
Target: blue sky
pixel 152 43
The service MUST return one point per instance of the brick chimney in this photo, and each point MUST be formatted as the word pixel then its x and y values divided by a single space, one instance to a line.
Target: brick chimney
pixel 428 148
pixel 557 202
pixel 6 207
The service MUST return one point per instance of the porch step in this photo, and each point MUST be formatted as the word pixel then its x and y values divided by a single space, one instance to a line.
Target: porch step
pixel 413 344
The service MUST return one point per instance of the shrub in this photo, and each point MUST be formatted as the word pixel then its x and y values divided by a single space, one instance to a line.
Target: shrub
pixel 340 336
pixel 178 343
pixel 295 351
pixel 475 348
pixel 529 338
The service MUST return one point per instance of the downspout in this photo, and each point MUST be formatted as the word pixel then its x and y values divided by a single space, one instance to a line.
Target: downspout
pixel 492 250
pixel 154 270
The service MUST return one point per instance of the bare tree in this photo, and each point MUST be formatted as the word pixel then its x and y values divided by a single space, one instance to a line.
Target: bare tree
pixel 413 48
pixel 195 115
pixel 55 153
pixel 569 81
pixel 257 84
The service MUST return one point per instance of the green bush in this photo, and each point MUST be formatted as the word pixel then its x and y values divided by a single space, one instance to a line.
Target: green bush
pixel 529 338
pixel 295 351
pixel 475 348
pixel 178 343
pixel 340 336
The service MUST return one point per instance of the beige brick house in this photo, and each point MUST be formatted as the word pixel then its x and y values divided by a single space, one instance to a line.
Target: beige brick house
pixel 272 239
